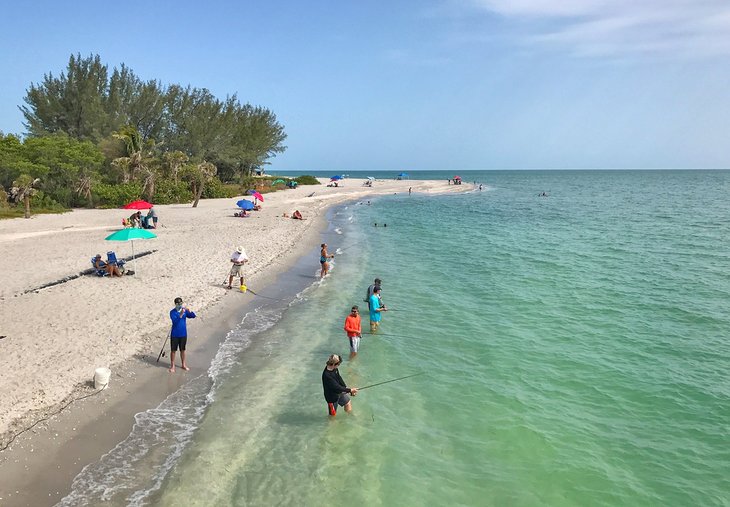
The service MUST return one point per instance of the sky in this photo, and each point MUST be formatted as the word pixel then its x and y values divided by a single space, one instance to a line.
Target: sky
pixel 419 85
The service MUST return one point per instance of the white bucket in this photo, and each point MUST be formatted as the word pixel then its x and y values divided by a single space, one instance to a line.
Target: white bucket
pixel 101 378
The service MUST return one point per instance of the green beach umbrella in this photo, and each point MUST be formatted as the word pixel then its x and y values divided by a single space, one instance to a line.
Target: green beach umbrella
pixel 276 182
pixel 130 234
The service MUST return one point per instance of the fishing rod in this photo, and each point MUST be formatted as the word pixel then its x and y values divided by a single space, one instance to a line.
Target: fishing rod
pixel 162 350
pixel 389 381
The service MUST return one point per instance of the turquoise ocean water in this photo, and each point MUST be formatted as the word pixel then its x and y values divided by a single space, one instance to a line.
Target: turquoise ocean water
pixel 574 349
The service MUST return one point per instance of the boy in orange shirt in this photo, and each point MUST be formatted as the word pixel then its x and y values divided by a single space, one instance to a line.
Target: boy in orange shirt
pixel 353 330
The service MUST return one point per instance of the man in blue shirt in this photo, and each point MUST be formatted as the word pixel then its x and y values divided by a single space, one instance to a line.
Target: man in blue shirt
pixel 179 333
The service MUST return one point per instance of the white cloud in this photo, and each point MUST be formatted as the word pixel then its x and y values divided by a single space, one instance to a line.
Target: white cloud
pixel 687 28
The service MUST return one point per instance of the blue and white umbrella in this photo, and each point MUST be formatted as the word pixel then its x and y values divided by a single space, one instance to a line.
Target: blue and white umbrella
pixel 245 204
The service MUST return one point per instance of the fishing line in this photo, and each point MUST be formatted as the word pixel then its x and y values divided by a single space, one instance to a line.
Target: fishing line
pixel 389 381
pixel 388 335
pixel 348 247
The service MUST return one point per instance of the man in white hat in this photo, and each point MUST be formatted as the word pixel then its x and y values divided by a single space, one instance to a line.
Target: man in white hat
pixel 239 258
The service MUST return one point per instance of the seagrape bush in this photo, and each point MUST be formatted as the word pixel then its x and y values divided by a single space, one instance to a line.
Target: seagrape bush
pixel 215 189
pixel 169 192
pixel 114 196
pixel 306 179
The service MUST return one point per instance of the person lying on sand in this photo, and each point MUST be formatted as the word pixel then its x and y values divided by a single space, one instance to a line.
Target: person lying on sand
pixel 297 216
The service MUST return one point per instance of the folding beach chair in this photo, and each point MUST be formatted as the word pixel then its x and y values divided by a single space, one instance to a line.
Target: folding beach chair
pixel 111 258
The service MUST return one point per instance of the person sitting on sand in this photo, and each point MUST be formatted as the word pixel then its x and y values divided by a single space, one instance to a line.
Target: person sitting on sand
pixel 297 216
pixel 112 269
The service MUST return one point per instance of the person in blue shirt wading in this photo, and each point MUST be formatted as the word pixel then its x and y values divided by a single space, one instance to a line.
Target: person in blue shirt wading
pixel 179 333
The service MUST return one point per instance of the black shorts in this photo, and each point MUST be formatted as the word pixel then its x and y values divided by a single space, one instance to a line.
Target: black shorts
pixel 178 342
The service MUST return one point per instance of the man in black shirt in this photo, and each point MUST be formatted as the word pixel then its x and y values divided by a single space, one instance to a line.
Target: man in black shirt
pixel 371 289
pixel 335 391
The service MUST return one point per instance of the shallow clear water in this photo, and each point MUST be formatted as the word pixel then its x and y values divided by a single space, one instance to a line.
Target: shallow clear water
pixel 574 351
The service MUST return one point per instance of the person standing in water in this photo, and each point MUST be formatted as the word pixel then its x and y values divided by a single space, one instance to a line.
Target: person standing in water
pixel 336 391
pixel 376 307
pixel 179 333
pixel 371 289
pixel 324 258
pixel 353 329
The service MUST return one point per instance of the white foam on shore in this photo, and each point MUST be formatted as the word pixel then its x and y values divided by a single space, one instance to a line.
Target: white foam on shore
pixel 159 435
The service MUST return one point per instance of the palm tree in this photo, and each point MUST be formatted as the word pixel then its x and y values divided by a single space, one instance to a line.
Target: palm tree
pixel 205 172
pixel 82 187
pixel 175 160
pixel 23 189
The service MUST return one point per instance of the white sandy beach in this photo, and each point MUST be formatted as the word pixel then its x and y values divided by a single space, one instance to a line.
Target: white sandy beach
pixel 56 337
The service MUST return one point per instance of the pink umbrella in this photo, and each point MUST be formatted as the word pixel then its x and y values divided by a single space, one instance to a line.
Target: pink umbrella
pixel 258 196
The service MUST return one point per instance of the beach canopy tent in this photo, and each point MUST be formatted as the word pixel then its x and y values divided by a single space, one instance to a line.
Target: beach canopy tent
pixel 131 234
pixel 336 177
pixel 276 182
pixel 403 176
pixel 245 204
pixel 137 205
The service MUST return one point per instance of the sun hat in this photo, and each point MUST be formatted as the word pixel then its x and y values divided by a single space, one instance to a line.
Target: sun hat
pixel 239 249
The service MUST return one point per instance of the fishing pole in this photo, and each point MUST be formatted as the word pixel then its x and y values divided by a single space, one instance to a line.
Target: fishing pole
pixel 162 350
pixel 348 247
pixel 388 381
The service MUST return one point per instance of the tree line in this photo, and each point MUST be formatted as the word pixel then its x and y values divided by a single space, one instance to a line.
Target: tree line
pixel 96 138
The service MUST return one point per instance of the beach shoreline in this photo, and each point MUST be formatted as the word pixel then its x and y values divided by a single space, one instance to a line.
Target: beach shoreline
pixel 57 449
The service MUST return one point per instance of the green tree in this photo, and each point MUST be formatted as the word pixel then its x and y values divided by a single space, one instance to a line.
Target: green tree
pixel 73 102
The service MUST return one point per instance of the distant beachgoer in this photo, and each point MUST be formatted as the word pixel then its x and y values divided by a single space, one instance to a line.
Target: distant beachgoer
pixel 297 216
pixel 385 225
pixel 238 258
pixel 449 181
pixel 371 290
pixel 324 258
pixel 353 329
pixel 376 308
pixel 179 333
pixel 152 213
pixel 135 219
pixel 409 190
pixel 480 187
pixel 376 224
pixel 336 392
